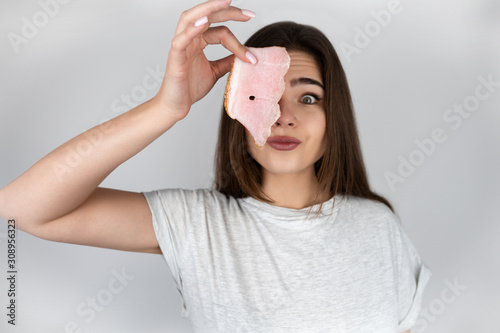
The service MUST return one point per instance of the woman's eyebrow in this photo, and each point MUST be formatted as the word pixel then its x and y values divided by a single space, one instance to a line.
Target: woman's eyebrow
pixel 305 80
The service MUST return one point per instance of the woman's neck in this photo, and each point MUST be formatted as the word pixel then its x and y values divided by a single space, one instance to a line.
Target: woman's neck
pixel 292 190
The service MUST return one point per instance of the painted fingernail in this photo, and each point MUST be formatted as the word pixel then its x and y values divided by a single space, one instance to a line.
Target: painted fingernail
pixel 248 13
pixel 201 21
pixel 251 58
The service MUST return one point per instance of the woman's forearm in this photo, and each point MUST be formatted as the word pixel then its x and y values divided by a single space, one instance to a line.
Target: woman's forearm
pixel 63 179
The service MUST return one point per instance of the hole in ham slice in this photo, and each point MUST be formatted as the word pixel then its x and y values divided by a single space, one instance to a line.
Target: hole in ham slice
pixel 266 79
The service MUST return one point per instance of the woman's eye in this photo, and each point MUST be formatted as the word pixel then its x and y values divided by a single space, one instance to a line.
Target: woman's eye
pixel 309 99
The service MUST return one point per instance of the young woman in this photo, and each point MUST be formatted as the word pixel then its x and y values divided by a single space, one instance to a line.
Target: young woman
pixel 248 255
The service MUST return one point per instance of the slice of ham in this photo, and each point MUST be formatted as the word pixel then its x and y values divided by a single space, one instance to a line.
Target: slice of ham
pixel 253 91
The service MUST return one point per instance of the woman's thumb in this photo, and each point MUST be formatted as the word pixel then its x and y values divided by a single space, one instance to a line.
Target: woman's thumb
pixel 222 66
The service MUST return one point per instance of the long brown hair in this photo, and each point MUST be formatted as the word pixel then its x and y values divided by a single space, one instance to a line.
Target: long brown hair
pixel 341 170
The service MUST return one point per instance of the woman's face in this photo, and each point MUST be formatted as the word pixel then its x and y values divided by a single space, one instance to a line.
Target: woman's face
pixel 302 117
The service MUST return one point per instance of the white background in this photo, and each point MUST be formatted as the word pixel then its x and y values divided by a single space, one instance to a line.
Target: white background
pixel 71 74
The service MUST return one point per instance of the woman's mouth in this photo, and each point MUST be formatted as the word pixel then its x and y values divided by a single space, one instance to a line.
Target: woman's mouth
pixel 283 142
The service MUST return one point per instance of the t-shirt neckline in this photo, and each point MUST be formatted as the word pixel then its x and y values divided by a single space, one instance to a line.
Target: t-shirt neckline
pixel 285 213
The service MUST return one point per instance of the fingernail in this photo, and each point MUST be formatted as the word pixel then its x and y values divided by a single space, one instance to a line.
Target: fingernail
pixel 248 13
pixel 201 21
pixel 251 58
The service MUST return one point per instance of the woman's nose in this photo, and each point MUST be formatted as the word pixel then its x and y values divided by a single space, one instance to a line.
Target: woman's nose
pixel 287 118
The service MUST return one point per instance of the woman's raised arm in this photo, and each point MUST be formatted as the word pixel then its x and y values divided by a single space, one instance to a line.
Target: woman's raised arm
pixel 58 198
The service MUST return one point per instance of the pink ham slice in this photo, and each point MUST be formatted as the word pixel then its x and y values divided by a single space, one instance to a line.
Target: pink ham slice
pixel 253 91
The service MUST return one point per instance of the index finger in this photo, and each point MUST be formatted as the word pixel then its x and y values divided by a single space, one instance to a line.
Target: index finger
pixel 222 35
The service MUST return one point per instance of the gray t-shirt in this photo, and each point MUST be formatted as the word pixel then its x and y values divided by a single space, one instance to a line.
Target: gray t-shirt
pixel 242 265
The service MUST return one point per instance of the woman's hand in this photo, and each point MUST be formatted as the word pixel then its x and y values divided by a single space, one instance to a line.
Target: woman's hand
pixel 190 75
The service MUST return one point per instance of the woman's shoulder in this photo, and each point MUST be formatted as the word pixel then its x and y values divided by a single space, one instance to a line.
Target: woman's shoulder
pixel 363 209
pixel 189 196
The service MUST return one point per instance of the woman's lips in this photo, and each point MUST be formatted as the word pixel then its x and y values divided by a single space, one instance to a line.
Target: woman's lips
pixel 283 142
pixel 283 146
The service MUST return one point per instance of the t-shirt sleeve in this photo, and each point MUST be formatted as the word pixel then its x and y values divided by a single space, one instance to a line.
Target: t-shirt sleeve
pixel 172 213
pixel 412 279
